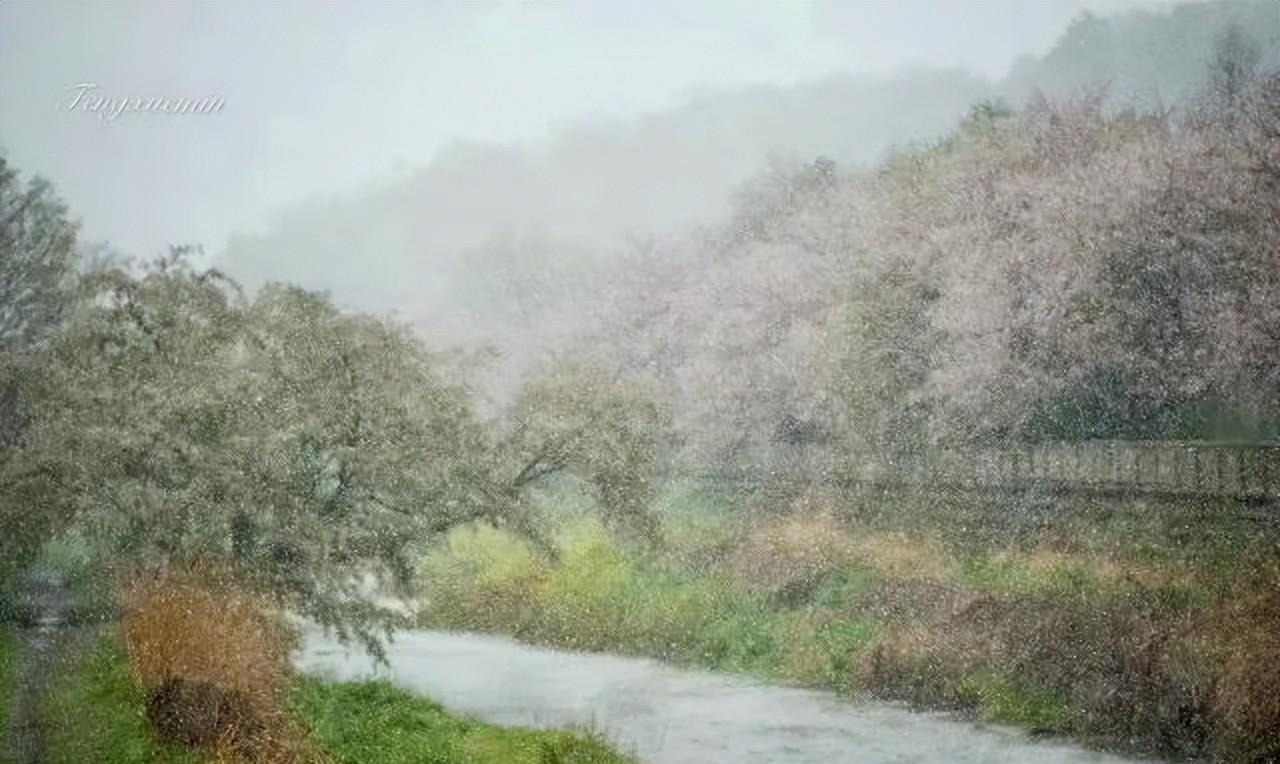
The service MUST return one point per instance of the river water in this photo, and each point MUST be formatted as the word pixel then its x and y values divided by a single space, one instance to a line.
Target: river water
pixel 674 716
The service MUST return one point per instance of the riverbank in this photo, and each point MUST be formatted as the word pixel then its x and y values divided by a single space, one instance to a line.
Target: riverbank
pixel 8 661
pixel 1144 630
pixel 96 711
pixel 669 715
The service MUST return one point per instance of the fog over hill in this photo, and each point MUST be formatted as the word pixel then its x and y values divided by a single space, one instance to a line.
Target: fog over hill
pixel 426 245
pixel 593 184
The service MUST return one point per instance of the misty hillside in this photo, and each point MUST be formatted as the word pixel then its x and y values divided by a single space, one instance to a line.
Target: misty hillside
pixel 1150 58
pixel 536 252
pixel 591 187
pixel 592 184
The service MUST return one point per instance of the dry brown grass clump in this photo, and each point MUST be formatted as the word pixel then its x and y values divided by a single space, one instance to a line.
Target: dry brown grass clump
pixel 790 551
pixel 215 666
pixel 794 552
pixel 1247 697
pixel 1128 673
pixel 911 664
pixel 902 556
pixel 1101 568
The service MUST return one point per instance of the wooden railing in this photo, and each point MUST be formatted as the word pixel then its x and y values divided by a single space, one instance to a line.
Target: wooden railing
pixel 1179 467
pixel 1168 467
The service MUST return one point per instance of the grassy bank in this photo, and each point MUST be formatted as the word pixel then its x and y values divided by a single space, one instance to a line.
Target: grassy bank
pixel 8 659
pixel 96 711
pixel 1116 625
pixel 376 722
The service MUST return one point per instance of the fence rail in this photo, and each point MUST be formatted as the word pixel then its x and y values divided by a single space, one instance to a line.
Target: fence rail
pixel 1249 470
pixel 1190 468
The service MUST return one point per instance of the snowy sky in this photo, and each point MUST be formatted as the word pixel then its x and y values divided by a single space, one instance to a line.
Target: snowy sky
pixel 328 97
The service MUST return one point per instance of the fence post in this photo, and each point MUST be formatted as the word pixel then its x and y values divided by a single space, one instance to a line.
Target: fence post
pixel 1268 455
pixel 1195 457
pixel 1113 469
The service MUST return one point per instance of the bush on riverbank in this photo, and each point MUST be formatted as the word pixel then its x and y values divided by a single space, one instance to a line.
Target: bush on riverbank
pixel 214 664
pixel 596 597
pixel 1097 638
pixel 96 711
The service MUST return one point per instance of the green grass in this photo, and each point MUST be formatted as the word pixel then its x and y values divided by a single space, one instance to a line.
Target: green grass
pixel 840 641
pixel 377 723
pixel 8 660
pixel 1006 701
pixel 95 712
pixel 1014 577
pixel 597 598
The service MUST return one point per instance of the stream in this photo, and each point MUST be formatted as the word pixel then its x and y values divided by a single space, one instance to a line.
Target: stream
pixel 667 715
